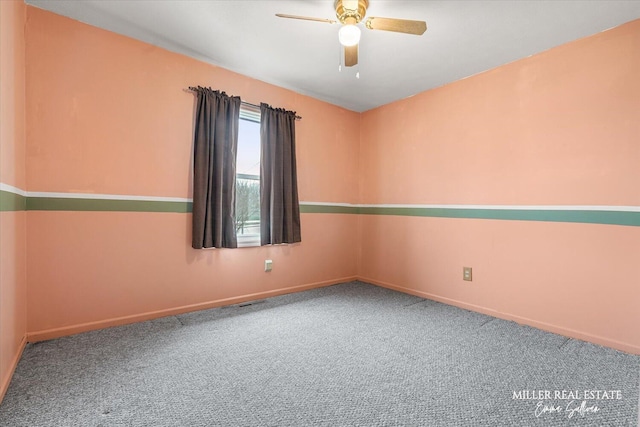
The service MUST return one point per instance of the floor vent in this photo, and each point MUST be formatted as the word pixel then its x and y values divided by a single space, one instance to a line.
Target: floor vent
pixel 247 304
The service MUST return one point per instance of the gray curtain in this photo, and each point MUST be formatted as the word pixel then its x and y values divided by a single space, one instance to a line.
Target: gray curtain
pixel 214 169
pixel 279 208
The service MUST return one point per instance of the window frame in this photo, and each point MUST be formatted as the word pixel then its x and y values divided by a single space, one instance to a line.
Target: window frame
pixel 249 113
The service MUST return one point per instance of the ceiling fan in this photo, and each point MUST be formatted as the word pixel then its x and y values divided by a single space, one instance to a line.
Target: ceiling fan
pixel 352 12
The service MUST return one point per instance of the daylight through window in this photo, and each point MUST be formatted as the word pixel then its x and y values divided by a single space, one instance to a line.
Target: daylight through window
pixel 248 178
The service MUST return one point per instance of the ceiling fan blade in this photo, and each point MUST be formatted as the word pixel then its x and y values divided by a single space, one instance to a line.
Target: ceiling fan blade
pixel 305 18
pixel 406 26
pixel 350 55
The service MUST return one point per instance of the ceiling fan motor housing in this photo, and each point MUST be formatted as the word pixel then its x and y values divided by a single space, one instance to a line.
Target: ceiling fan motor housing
pixel 351 11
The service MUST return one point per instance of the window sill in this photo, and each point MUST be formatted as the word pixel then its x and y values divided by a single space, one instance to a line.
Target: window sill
pixel 248 240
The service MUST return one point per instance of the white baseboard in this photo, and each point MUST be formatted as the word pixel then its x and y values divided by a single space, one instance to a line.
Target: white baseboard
pixel 4 383
pixel 117 321
pixel 572 333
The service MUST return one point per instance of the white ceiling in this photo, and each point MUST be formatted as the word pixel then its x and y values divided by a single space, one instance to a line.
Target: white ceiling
pixel 463 38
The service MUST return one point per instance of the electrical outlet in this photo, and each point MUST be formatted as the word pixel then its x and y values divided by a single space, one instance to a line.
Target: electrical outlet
pixel 268 265
pixel 466 274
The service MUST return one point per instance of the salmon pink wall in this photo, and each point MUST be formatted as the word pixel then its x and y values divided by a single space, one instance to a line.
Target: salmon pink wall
pixel 110 115
pixel 557 128
pixel 13 283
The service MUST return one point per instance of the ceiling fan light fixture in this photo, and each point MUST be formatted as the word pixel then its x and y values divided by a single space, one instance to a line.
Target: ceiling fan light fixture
pixel 349 35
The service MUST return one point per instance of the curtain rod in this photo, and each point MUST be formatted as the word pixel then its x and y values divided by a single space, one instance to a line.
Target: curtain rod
pixel 245 103
pixel 248 104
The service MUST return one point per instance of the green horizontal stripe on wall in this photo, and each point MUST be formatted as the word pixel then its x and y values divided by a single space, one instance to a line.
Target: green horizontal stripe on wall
pixel 74 204
pixel 39 203
pixel 12 202
pixel 591 216
pixel 582 216
pixel 334 209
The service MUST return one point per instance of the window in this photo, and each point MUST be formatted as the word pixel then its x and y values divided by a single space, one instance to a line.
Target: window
pixel 248 177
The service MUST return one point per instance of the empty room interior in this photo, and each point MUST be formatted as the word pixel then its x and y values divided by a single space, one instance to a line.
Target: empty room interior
pixel 469 214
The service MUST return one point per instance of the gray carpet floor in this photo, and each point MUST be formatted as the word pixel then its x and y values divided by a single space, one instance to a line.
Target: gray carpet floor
pixel 346 355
